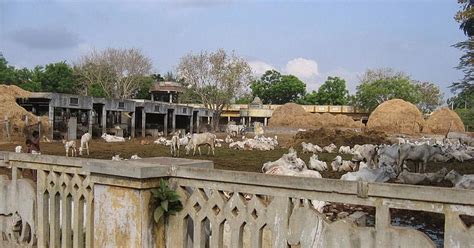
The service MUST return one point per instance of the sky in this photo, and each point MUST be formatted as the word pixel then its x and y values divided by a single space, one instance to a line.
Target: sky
pixel 309 39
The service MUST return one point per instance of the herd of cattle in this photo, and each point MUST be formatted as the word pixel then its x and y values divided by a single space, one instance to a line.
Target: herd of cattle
pixel 369 162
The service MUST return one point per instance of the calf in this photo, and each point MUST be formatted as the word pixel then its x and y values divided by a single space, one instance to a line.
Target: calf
pixel 71 144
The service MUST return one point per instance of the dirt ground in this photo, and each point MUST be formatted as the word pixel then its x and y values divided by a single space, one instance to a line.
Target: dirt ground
pixel 225 158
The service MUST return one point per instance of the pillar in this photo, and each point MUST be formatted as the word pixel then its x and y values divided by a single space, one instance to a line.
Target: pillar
pixel 152 97
pixel 171 97
pixel 132 124
pixel 104 120
pixel 243 121
pixel 228 119
pixel 208 120
pixel 265 121
pixel 51 120
pixel 143 122
pixel 165 123
pixel 173 124
pixel 250 121
pixel 91 120
pixel 197 123
pixel 191 122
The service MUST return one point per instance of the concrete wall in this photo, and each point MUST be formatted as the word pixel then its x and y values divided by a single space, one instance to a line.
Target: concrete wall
pixel 227 208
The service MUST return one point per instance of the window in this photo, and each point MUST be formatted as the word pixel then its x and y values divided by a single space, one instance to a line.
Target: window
pixel 121 105
pixel 157 108
pixel 207 112
pixel 185 110
pixel 74 101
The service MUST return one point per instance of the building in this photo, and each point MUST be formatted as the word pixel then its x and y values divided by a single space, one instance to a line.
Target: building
pixel 73 115
pixel 166 91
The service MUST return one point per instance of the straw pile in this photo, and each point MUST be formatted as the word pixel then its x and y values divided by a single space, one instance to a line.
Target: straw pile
pixel 442 121
pixel 294 115
pixel 396 116
pixel 15 113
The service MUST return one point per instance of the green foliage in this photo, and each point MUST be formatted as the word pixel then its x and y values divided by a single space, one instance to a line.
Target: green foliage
pixel 58 77
pixel 309 99
pixel 143 92
pixel 244 99
pixel 465 16
pixel 274 88
pixel 333 92
pixel 467 116
pixel 430 96
pixel 165 200
pixel 370 94
pixel 465 99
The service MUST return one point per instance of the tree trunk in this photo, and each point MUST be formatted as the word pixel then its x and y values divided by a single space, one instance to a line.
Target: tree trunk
pixel 216 116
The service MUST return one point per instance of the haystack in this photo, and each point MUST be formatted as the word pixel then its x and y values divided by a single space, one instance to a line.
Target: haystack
pixel 443 120
pixel 295 116
pixel 396 116
pixel 15 114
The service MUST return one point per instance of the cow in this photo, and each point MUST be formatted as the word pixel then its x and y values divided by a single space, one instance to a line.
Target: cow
pixel 85 139
pixel 234 130
pixel 200 139
pixel 70 145
pixel 174 147
pixel 417 153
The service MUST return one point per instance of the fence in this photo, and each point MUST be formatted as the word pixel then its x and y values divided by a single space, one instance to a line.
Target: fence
pixel 96 203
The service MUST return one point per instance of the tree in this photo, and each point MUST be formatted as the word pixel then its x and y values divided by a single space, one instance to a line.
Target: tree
pixel 216 77
pixel 274 88
pixel 333 92
pixel 118 72
pixel 430 96
pixel 465 16
pixel 309 98
pixel 7 72
pixel 385 86
pixel 465 99
pixel 57 77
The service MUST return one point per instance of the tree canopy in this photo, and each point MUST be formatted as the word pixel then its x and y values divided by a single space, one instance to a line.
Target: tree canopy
pixel 465 16
pixel 333 92
pixel 274 88
pixel 217 77
pixel 117 73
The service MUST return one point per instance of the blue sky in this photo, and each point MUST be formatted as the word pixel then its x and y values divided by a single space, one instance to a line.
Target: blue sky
pixel 311 39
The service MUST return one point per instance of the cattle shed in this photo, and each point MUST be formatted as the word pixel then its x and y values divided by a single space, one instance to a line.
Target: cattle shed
pixel 73 115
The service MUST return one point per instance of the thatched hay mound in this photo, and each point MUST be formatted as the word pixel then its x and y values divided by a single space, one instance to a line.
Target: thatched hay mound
pixel 294 115
pixel 15 114
pixel 396 116
pixel 443 120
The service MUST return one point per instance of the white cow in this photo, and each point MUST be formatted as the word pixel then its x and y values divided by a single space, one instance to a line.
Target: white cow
pixel 330 148
pixel 367 174
pixel 112 138
pixel 460 181
pixel 70 145
pixel 310 148
pixel 345 150
pixel 85 139
pixel 200 139
pixel 174 147
pixel 316 164
pixel 234 130
pixel 18 149
pixel 289 160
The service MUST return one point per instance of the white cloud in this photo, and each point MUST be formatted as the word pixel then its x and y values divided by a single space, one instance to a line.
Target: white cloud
pixel 305 69
pixel 259 67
